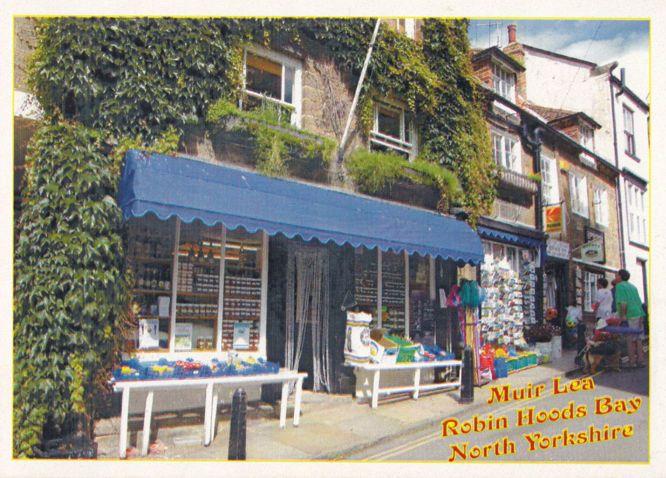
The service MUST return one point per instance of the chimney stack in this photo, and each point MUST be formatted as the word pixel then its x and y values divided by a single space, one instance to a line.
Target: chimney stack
pixel 512 33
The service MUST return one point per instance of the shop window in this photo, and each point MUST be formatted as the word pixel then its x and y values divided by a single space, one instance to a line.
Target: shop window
pixel 504 82
pixel 150 258
pixel 272 81
pixel 549 180
pixel 506 151
pixel 637 214
pixel 365 282
pixel 578 190
pixel 421 307
pixel 242 291
pixel 198 287
pixel 393 130
pixel 393 292
pixel 601 206
pixel 630 140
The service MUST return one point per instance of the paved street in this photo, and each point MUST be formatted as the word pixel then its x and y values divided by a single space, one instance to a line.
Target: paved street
pixel 427 444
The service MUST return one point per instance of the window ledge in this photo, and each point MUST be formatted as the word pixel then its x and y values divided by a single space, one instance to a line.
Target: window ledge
pixel 632 156
pixel 640 245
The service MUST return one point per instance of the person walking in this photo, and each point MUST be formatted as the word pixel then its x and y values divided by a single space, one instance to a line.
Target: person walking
pixel 604 299
pixel 630 308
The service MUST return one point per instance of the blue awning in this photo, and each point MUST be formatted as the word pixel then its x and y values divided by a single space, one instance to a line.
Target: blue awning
pixel 503 236
pixel 191 189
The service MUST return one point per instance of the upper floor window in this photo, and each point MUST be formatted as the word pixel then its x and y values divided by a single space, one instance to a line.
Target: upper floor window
pixel 578 189
pixel 629 131
pixel 549 180
pixel 587 137
pixel 272 80
pixel 637 214
pixel 407 26
pixel 504 82
pixel 601 206
pixel 393 129
pixel 506 151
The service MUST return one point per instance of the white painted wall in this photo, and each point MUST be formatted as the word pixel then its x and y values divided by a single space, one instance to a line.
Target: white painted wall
pixel 559 83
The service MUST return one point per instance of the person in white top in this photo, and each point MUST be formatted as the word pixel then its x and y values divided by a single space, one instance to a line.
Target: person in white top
pixel 604 299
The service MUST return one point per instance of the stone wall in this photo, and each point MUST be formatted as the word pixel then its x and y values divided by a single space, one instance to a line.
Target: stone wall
pixel 25 40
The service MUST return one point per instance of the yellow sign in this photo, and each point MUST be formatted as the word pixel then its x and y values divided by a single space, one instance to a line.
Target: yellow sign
pixel 554 218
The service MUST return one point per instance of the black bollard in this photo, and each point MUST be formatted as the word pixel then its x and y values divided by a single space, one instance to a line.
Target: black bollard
pixel 467 385
pixel 238 422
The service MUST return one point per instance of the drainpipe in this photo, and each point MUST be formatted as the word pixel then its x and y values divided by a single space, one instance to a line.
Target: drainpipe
pixel 345 135
pixel 534 142
pixel 618 181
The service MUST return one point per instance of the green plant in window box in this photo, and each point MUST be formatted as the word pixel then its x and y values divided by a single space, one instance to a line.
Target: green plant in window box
pixel 536 177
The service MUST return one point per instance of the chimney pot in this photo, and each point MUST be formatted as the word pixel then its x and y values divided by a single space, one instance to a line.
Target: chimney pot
pixel 512 33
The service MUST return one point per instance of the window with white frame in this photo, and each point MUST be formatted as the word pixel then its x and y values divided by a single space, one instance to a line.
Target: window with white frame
pixel 549 180
pixel 630 146
pixel 587 137
pixel 578 189
pixel 506 151
pixel 504 82
pixel 601 206
pixel 589 290
pixel 407 26
pixel 393 130
pixel 272 80
pixel 637 214
pixel 501 252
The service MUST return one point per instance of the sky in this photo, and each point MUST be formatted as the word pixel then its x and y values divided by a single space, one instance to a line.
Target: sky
pixel 598 41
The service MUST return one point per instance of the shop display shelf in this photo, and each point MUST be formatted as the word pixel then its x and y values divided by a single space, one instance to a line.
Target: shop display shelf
pixel 151 291
pixel 151 260
pixel 195 317
pixel 198 294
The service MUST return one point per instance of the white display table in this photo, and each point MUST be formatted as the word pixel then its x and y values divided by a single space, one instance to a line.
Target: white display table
pixel 376 368
pixel 285 376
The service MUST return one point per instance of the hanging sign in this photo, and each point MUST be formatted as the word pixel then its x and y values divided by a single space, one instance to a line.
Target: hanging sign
pixel 597 236
pixel 554 218
pixel 592 251
pixel 558 249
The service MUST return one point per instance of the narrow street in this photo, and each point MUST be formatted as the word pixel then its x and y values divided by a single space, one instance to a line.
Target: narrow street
pixel 428 445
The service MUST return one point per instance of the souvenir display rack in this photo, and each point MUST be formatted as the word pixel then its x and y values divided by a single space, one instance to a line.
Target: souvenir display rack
pixel 502 316
pixel 528 278
pixel 365 282
pixel 393 292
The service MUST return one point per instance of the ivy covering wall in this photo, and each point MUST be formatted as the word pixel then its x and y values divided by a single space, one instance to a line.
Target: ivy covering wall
pixel 109 83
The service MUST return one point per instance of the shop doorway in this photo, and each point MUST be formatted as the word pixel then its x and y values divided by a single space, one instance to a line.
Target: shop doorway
pixel 307 344
pixel 555 291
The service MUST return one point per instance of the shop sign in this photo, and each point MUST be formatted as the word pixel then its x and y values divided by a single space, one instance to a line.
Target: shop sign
pixel 592 251
pixel 554 218
pixel 558 249
pixel 598 237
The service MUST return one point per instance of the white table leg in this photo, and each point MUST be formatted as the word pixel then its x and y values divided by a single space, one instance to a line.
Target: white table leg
pixel 214 420
pixel 207 413
pixel 297 401
pixel 146 423
pixel 417 383
pixel 283 404
pixel 375 389
pixel 459 375
pixel 124 418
